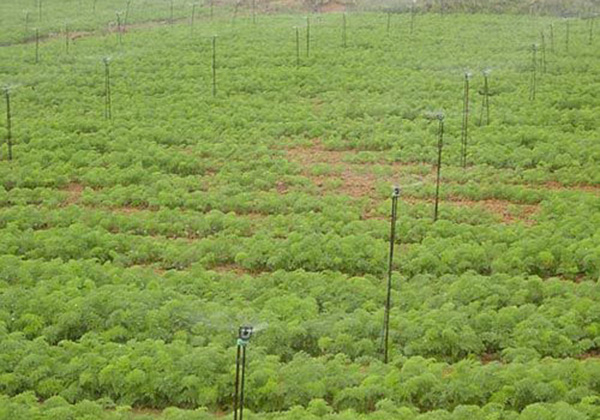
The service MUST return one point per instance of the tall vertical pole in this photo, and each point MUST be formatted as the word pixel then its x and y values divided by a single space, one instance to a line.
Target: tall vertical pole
pixel 552 38
pixel 107 98
pixel 243 382
pixel 543 48
pixel 485 104
pixel 465 125
pixel 389 22
pixel 8 123
pixel 297 47
pixel 533 72
pixel 119 31
pixel 388 300
pixel 40 10
pixel 192 21
pixel 307 36
pixel 67 37
pixel 37 46
pixel 237 383
pixel 214 65
pixel 344 37
pixel 244 335
pixel 127 9
pixel 567 36
pixel 439 167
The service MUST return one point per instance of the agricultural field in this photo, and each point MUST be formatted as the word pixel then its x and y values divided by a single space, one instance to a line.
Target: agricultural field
pixel 175 170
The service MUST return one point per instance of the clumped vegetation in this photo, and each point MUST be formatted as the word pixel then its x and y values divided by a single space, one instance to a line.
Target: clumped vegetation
pixel 145 215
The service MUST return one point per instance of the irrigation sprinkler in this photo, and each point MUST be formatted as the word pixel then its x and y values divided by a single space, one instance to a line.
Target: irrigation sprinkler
pixel 485 104
pixel 440 146
pixel 307 36
pixel 344 33
pixel 465 122
pixel 107 91
pixel 37 45
pixel 533 85
pixel 244 335
pixel 214 65
pixel 8 122
pixel 297 46
pixel 388 300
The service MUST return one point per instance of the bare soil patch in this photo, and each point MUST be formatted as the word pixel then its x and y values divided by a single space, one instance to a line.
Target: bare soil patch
pixel 358 180
pixel 74 191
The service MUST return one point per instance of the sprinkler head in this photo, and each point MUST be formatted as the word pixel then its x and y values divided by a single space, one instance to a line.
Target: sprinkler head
pixel 468 75
pixel 396 191
pixel 244 335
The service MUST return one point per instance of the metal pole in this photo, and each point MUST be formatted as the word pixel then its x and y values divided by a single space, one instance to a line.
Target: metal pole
pixel 107 103
pixel 389 17
pixel 243 382
pixel 214 65
pixel 297 47
pixel 534 71
pixel 192 22
pixel 344 38
pixel 439 168
pixel 543 52
pixel 388 300
pixel 237 383
pixel 37 46
pixel 8 124
pixel 307 36
pixel 465 130
pixel 567 36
